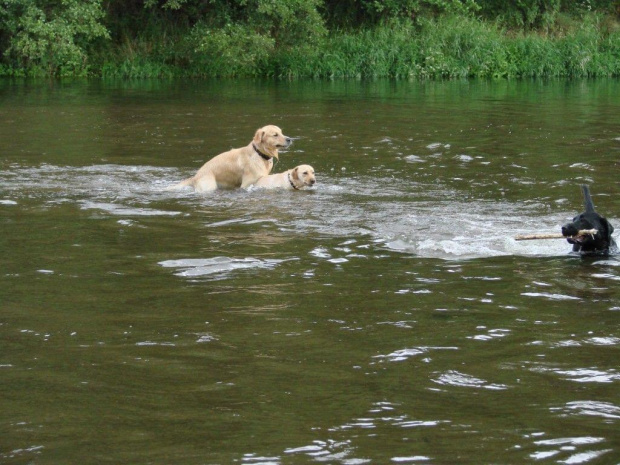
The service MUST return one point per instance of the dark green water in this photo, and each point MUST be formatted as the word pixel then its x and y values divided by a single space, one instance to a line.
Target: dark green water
pixel 385 316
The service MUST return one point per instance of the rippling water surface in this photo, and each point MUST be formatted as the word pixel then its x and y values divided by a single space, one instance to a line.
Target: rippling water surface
pixel 385 316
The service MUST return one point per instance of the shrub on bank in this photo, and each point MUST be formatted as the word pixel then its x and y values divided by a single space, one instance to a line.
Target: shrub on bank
pixel 447 46
pixel 453 47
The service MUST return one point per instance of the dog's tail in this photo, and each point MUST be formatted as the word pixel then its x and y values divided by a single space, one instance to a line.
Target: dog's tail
pixel 174 187
pixel 587 199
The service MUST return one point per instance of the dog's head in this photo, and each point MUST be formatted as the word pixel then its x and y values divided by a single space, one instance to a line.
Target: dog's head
pixel 303 175
pixel 269 140
pixel 589 243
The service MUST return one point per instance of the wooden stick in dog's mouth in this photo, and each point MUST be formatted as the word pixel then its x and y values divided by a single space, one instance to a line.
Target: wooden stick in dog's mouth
pixel 576 237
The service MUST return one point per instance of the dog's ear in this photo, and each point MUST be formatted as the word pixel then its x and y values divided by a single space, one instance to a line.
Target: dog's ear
pixel 296 173
pixel 261 140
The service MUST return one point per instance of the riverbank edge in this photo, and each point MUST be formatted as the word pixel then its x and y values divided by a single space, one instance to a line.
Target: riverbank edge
pixel 450 47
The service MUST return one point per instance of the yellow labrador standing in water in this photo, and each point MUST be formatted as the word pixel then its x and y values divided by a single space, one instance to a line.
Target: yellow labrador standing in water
pixel 240 167
pixel 299 177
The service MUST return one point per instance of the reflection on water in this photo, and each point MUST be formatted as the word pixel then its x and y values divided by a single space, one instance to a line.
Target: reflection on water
pixel 386 315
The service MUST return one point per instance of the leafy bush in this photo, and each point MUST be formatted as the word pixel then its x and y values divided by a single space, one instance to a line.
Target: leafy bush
pixel 522 14
pixel 310 38
pixel 230 51
pixel 53 38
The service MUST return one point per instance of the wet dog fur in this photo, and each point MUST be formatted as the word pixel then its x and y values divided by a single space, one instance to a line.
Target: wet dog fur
pixel 600 243
pixel 240 167
pixel 294 179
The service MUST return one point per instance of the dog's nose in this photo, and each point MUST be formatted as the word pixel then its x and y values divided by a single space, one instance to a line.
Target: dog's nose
pixel 569 230
pixel 289 140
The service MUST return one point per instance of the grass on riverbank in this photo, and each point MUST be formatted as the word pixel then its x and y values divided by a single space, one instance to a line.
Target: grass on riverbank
pixel 457 48
pixel 443 48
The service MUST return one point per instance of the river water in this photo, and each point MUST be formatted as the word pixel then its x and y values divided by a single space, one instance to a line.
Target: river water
pixel 386 315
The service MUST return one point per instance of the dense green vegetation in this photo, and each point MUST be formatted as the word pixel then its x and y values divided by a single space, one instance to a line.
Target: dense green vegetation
pixel 310 38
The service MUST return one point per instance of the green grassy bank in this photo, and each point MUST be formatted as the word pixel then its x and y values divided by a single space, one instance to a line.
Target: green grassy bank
pixel 449 45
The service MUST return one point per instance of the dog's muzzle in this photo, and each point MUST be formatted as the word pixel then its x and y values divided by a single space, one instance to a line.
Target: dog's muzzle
pixel 287 144
pixel 571 232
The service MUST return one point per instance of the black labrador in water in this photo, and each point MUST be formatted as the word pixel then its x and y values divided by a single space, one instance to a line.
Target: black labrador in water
pixel 600 243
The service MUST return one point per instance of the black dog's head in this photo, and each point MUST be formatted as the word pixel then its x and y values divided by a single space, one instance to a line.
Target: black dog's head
pixel 589 243
pixel 598 243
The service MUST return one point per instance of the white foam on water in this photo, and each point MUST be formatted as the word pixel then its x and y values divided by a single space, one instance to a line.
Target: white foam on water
pixel 429 220
pixel 122 210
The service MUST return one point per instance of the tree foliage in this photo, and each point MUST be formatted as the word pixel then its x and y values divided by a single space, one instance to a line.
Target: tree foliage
pixel 232 37
pixel 50 35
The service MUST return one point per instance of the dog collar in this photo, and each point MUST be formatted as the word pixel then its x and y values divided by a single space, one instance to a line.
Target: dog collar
pixel 291 182
pixel 262 155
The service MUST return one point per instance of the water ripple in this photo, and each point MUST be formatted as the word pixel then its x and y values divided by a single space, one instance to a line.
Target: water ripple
pixel 563 446
pixel 116 209
pixel 583 375
pixel 593 341
pixel 414 458
pixel 491 334
pixel 385 413
pixel 27 451
pixel 549 296
pixel 427 219
pixel 193 267
pixel 456 378
pixel 404 354
pixel 605 410
pixel 254 459
pixel 328 451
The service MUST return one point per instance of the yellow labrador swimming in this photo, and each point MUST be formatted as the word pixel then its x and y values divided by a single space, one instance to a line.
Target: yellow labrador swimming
pixel 240 167
pixel 299 177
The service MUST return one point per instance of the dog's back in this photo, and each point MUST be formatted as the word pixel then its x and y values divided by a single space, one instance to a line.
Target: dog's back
pixel 273 181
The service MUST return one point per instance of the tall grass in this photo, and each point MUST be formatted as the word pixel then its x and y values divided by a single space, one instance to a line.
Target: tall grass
pixel 448 47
